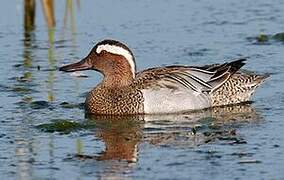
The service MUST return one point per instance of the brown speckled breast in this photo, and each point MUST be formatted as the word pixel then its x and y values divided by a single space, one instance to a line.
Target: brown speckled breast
pixel 115 101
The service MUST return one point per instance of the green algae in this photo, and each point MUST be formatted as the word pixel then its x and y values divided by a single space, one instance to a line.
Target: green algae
pixel 262 38
pixel 265 38
pixel 279 37
pixel 27 99
pixel 21 89
pixel 61 125
pixel 64 126
pixel 27 77
pixel 39 104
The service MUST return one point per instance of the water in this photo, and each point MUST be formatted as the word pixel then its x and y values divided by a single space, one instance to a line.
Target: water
pixel 44 134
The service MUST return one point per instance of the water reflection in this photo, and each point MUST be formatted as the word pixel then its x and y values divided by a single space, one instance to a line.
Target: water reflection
pixel 51 63
pixel 123 134
pixel 69 13
pixel 48 9
pixel 25 147
pixel 201 127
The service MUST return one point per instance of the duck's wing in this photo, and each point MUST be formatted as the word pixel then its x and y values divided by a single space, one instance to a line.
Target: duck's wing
pixel 197 79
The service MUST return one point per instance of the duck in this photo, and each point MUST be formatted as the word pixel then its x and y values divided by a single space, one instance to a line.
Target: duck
pixel 161 90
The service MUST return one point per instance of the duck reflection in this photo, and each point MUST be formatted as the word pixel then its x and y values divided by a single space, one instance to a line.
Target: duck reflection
pixel 123 134
pixel 189 130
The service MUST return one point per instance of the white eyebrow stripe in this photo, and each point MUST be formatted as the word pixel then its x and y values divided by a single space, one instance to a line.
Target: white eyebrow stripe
pixel 120 51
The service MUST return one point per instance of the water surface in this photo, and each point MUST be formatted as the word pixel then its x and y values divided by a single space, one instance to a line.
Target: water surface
pixel 45 135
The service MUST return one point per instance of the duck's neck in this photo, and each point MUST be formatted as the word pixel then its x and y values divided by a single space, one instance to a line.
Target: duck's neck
pixel 118 79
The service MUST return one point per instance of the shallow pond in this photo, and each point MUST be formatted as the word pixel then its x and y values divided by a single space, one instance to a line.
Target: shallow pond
pixel 44 133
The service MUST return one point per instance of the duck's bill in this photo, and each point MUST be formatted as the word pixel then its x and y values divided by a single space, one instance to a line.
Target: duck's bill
pixel 79 66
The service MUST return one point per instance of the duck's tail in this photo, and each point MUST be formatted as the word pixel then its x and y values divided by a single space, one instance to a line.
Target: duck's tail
pixel 239 88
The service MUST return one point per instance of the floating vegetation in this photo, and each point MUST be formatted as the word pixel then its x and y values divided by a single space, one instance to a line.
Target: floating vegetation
pixel 26 78
pixel 267 38
pixel 21 89
pixel 279 37
pixel 27 102
pixel 39 104
pixel 65 126
pixel 262 38
pixel 27 99
pixel 61 125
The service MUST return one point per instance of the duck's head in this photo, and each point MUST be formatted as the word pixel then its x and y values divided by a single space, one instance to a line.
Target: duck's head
pixel 110 57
